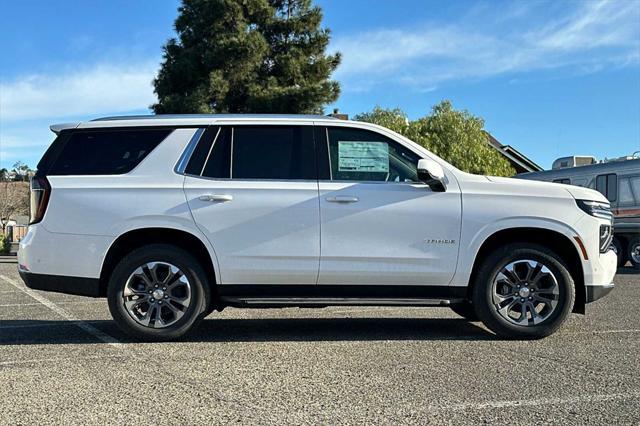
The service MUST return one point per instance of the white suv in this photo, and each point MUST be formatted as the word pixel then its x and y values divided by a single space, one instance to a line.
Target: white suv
pixel 173 217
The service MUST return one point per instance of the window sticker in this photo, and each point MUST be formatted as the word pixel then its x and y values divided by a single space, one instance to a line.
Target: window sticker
pixel 360 156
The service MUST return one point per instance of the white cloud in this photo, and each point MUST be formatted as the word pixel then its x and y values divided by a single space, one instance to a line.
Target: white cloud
pixel 588 38
pixel 29 104
pixel 102 88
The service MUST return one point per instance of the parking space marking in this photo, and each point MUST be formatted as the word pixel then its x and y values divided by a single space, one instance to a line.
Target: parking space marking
pixel 536 402
pixel 10 305
pixel 112 341
pixel 58 359
pixel 52 324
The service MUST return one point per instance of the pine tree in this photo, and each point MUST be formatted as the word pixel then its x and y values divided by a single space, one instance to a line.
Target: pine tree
pixel 236 56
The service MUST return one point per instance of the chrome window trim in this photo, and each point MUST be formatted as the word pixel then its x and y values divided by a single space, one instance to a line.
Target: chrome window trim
pixel 210 150
pixel 181 165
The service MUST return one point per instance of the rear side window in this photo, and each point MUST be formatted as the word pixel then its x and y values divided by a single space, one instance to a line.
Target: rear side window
pixel 273 152
pixel 105 152
pixel 256 152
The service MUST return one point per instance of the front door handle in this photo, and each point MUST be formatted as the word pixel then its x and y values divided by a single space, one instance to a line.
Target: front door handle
pixel 216 198
pixel 343 199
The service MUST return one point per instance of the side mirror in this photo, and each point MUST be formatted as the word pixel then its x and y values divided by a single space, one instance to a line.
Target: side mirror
pixel 432 174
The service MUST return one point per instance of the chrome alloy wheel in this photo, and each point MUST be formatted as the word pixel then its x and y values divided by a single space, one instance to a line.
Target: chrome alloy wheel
pixel 157 294
pixel 525 292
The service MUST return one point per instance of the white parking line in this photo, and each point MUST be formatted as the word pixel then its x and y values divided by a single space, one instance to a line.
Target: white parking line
pixel 54 359
pixel 11 305
pixel 50 324
pixel 535 402
pixel 112 341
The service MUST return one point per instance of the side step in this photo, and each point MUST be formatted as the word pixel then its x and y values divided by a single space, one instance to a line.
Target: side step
pixel 266 302
pixel 315 296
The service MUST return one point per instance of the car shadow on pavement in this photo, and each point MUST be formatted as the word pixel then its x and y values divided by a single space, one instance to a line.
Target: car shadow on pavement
pixel 30 332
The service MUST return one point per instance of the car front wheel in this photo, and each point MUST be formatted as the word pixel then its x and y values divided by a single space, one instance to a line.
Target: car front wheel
pixel 157 292
pixel 523 291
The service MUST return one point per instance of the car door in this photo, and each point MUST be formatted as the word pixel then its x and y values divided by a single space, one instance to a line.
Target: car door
pixel 253 192
pixel 379 225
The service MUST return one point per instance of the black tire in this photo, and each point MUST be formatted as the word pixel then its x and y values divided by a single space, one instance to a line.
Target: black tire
pixel 634 245
pixel 483 290
pixel 620 252
pixel 465 310
pixel 191 269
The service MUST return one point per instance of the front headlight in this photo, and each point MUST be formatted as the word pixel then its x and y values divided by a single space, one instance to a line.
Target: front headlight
pixel 596 209
pixel 601 211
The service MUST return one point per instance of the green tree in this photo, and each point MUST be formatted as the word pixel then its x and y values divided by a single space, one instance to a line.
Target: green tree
pixel 456 136
pixel 238 56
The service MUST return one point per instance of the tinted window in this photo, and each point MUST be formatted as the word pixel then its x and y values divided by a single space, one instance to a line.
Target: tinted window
pixel 607 185
pixel 273 152
pixel 219 156
pixel 201 150
pixel 214 149
pixel 106 152
pixel 361 155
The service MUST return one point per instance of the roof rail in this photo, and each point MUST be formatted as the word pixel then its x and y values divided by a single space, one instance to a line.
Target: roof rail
pixel 212 116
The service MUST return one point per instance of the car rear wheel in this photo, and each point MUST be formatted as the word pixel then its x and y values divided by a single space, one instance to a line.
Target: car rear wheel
pixel 523 291
pixel 157 292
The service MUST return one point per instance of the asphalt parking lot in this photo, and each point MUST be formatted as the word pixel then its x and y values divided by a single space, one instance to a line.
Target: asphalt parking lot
pixel 62 360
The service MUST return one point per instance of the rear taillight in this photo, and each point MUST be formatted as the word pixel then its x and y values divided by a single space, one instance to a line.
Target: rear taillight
pixel 40 192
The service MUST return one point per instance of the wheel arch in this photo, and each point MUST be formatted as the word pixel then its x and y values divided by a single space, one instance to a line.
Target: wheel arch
pixel 560 243
pixel 135 238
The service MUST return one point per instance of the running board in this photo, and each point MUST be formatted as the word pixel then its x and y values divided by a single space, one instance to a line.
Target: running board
pixel 265 302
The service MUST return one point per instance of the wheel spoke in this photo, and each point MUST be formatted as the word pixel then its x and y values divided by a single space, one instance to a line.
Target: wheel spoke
pixel 177 280
pixel 546 299
pixel 157 319
pixel 535 274
pixel 523 319
pixel 132 302
pixel 183 302
pixel 507 308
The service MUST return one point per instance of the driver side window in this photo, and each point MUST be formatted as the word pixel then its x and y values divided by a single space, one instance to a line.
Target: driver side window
pixel 365 156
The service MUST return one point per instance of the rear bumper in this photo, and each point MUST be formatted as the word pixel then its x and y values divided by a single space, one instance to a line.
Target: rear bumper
pixel 595 292
pixel 62 284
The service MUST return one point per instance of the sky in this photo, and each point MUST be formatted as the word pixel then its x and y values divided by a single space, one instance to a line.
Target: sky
pixel 550 78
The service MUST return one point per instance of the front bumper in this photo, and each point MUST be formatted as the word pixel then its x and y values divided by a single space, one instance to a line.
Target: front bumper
pixel 595 292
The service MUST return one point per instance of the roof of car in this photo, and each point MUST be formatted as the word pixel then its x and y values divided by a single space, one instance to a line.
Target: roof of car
pixel 183 120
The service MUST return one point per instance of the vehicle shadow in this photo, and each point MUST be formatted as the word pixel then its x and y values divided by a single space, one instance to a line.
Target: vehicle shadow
pixel 30 332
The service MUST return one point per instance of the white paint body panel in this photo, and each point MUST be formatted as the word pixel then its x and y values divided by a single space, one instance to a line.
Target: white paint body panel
pixel 386 237
pixel 275 232
pixel 269 233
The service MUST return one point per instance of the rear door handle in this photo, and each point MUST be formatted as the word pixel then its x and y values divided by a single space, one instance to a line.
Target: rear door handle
pixel 216 198
pixel 342 199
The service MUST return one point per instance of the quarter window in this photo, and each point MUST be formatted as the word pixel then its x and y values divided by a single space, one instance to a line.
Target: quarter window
pixel 607 185
pixel 105 152
pixel 362 155
pixel 565 181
